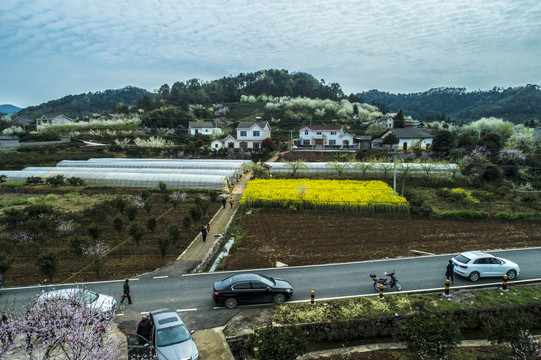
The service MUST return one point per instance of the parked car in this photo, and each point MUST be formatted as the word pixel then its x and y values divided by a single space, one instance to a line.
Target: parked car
pixel 477 264
pixel 250 288
pixel 169 339
pixel 104 303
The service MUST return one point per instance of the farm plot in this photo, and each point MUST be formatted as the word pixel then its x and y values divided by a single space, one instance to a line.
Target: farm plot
pixel 297 238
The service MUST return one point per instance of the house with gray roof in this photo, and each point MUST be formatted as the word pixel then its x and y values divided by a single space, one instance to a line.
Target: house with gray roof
pixel 203 127
pixel 407 138
pixel 249 136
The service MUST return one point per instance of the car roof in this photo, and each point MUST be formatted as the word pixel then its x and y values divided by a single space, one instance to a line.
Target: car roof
pixel 244 277
pixel 476 254
pixel 163 318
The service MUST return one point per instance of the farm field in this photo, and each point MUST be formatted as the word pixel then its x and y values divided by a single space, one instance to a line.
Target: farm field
pixel 318 238
pixel 86 208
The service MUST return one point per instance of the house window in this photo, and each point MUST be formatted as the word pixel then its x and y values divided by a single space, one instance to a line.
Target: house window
pixel 333 132
pixel 256 145
pixel 244 145
pixel 345 143
pixel 305 132
pixel 231 145
pixel 306 142
pixel 243 133
pixel 256 133
pixel 332 142
pixel 319 133
pixel 405 146
pixel 216 146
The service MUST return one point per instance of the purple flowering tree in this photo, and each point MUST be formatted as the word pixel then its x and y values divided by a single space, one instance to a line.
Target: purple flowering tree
pixel 221 112
pixel 60 329
pixel 511 155
pixel 478 155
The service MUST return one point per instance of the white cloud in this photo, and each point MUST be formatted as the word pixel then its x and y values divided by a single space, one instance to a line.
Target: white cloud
pixel 394 45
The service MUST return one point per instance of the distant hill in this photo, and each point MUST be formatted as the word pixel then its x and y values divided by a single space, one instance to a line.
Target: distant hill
pixel 9 109
pixel 517 104
pixel 76 106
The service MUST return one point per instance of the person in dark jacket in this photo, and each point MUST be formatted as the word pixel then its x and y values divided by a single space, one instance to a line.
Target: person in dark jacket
pixel 144 329
pixel 204 233
pixel 449 273
pixel 126 292
pixel 223 202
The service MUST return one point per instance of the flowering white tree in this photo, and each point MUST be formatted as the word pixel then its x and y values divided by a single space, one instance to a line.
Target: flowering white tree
pixel 524 139
pixel 60 328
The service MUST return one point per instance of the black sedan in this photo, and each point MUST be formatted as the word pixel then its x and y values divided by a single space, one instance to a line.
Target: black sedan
pixel 250 288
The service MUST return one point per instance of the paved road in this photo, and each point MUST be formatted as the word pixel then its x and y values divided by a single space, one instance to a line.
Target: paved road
pixel 191 294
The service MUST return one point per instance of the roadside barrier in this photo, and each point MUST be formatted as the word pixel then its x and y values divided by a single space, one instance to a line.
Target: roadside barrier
pixel 312 297
pixel 381 291
pixel 446 293
pixel 504 283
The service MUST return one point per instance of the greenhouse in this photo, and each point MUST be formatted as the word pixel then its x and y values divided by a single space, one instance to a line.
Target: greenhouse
pixel 140 180
pixel 149 164
pixel 357 169
pixel 233 175
pixel 239 162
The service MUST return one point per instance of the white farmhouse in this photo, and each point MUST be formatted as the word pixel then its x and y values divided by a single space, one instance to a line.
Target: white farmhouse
pixel 408 137
pixel 321 136
pixel 45 120
pixel 249 136
pixel 204 128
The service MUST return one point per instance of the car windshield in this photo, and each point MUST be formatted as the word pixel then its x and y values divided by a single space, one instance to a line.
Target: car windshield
pixel 89 297
pixel 172 335
pixel 461 258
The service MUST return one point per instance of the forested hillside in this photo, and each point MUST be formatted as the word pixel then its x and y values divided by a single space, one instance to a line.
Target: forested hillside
pixel 76 106
pixel 517 105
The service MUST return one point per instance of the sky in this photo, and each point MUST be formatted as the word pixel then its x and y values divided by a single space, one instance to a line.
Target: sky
pixel 53 48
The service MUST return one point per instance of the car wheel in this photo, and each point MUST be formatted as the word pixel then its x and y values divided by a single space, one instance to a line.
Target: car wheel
pixel 511 274
pixel 279 298
pixel 231 303
pixel 474 276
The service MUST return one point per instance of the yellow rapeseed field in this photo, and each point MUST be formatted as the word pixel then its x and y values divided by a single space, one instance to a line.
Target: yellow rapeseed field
pixel 324 194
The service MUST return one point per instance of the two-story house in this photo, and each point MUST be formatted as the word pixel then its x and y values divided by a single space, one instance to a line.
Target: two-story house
pixel 325 136
pixel 49 120
pixel 203 127
pixel 249 136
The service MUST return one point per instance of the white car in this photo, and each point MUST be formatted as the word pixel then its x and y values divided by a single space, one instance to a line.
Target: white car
pixel 104 303
pixel 477 264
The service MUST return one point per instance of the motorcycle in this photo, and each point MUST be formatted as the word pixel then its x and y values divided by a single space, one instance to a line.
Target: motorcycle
pixel 386 284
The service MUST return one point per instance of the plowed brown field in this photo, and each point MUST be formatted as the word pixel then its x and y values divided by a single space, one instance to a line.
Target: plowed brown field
pixel 305 239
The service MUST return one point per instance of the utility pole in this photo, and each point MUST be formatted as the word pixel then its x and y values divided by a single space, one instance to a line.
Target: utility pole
pixel 395 146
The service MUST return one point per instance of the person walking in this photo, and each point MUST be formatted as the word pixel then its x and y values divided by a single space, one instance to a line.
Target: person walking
pixel 126 292
pixel 223 202
pixel 204 233
pixel 208 228
pixel 231 201
pixel 449 272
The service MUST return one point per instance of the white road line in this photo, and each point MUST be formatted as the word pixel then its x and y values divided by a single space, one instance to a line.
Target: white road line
pixel 121 314
pixel 160 277
pixel 67 284
pixel 183 310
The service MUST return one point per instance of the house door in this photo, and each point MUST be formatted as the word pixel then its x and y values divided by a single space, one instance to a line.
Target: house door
pixel 318 143
pixel 405 146
pixel 231 145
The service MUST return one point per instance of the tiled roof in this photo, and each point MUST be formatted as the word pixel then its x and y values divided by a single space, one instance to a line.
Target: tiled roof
pixel 201 124
pixel 322 127
pixel 249 124
pixel 410 133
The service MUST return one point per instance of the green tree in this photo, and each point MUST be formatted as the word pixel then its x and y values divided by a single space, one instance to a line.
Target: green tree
pixel 338 166
pixel 277 343
pixel 295 166
pixel 118 223
pixel 513 329
pixel 120 203
pixel 131 212
pixel 429 336
pixel 174 234
pixel 399 120
pixel 56 180
pixel 47 263
pixel 94 231
pixel 164 242
pixel 151 223
pixel 186 222
pixel 136 231
pixel 5 263
pixel 443 143
pixel 196 213
pixel 363 167
pixel 390 139
pixel 78 245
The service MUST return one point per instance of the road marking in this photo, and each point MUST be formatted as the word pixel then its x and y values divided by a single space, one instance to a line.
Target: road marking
pixel 183 310
pixel 68 284
pixel 120 314
pixel 160 277
pixel 353 262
